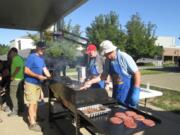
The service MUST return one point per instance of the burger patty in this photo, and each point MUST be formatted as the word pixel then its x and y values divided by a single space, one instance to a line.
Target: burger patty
pixel 130 118
pixel 130 123
pixel 130 113
pixel 148 122
pixel 120 115
pixel 116 120
pixel 139 117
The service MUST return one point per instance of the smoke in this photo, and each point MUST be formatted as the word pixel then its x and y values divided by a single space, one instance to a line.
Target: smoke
pixel 56 65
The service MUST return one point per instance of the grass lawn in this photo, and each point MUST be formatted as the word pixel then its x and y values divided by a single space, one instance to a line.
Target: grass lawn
pixel 170 101
pixel 149 72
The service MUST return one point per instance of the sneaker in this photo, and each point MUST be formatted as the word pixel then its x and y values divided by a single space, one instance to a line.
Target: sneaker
pixel 6 109
pixel 12 114
pixel 35 127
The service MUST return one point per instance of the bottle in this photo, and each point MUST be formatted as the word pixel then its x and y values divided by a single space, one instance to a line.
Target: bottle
pixel 148 86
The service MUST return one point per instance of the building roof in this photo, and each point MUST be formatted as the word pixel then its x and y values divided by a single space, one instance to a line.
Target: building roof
pixel 172 51
pixel 34 14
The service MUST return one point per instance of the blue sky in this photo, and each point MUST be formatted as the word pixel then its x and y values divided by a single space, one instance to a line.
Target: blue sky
pixel 164 13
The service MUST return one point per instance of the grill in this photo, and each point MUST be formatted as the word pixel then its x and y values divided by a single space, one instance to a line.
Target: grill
pixel 92 108
pixel 72 97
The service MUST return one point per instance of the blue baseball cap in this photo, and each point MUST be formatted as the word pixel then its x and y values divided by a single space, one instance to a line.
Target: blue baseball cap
pixel 41 44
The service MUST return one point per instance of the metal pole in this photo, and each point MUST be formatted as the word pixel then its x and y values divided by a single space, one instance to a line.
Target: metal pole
pixel 77 122
pixel 41 35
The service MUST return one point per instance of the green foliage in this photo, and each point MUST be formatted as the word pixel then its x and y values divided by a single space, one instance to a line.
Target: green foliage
pixel 106 27
pixel 150 72
pixel 73 29
pixel 56 48
pixel 3 49
pixel 170 101
pixel 34 37
pixel 141 39
pixel 169 64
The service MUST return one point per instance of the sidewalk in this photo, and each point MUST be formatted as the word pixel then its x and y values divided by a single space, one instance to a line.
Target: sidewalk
pixel 166 80
pixel 17 126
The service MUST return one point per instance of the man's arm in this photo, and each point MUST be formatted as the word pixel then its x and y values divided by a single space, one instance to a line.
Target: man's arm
pixel 32 74
pixel 137 79
pixel 46 72
pixel 93 80
pixel 132 69
pixel 105 72
pixel 88 83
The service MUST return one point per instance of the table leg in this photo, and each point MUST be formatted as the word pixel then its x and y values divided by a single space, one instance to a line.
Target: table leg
pixel 77 122
pixel 145 102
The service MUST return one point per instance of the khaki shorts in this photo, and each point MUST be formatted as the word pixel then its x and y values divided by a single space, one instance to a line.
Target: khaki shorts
pixel 31 93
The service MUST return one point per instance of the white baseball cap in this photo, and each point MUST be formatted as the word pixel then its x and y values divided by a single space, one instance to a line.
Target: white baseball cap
pixel 107 46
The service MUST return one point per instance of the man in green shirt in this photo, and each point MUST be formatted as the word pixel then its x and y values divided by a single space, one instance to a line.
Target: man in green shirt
pixel 17 76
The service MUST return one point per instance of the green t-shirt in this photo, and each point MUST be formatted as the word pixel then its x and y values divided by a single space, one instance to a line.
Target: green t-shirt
pixel 17 61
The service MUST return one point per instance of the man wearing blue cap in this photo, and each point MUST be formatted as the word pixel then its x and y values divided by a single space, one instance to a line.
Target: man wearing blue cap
pixel 35 72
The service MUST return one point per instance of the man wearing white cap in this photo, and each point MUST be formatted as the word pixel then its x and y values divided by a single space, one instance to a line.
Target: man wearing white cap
pixel 124 72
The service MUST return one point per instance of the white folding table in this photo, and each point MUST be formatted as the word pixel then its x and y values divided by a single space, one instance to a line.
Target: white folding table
pixel 149 93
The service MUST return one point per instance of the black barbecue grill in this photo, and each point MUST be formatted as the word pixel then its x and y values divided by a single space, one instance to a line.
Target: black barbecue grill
pixel 73 99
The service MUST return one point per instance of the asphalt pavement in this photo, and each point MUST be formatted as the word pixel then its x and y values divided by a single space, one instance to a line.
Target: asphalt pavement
pixel 170 79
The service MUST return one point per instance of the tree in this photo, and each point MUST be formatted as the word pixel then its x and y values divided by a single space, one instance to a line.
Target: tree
pixel 3 49
pixel 141 38
pixel 56 47
pixel 68 48
pixel 70 28
pixel 106 27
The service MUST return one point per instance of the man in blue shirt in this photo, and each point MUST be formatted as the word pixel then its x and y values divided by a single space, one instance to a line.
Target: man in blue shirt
pixel 35 72
pixel 124 73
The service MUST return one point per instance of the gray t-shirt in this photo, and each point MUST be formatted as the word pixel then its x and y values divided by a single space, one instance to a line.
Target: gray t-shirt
pixel 99 63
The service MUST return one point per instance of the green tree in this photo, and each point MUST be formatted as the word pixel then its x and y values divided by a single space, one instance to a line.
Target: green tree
pixel 141 38
pixel 106 27
pixel 56 48
pixel 65 46
pixel 70 28
pixel 3 49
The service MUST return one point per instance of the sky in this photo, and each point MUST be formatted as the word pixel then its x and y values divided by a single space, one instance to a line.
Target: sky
pixel 165 14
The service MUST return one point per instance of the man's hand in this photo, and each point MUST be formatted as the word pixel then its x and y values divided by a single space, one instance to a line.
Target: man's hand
pixel 41 77
pixel 134 99
pixel 12 78
pixel 86 85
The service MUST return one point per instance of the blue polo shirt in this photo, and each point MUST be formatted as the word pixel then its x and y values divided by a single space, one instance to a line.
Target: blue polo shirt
pixel 36 64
